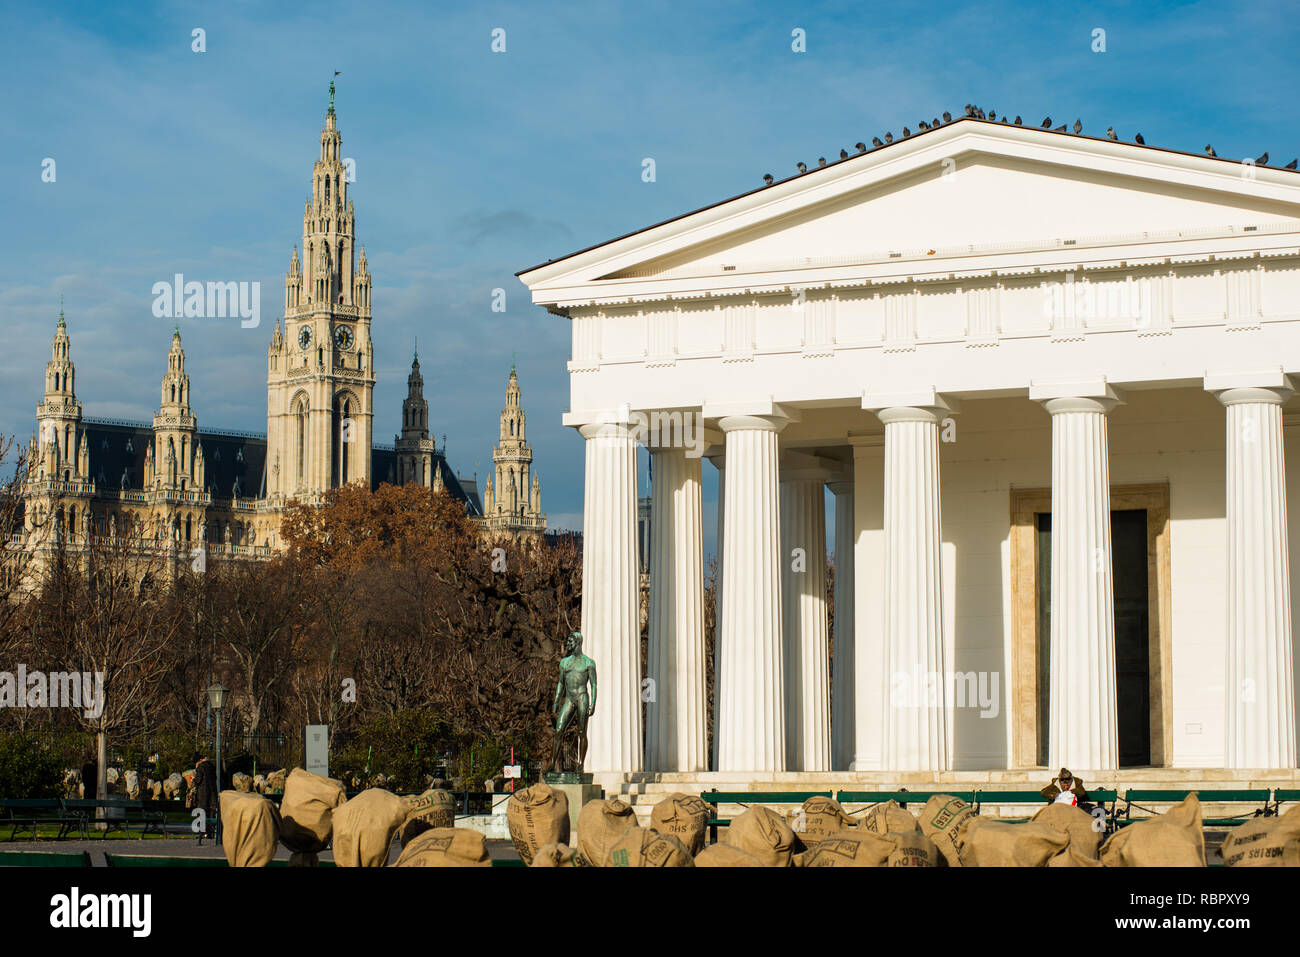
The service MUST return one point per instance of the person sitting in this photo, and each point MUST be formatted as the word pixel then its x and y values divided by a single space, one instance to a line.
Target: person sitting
pixel 1067 789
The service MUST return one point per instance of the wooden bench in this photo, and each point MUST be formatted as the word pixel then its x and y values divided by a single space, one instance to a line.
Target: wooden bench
pixel 1104 798
pixel 744 798
pixel 151 816
pixel 1284 796
pixel 1259 798
pixel 27 814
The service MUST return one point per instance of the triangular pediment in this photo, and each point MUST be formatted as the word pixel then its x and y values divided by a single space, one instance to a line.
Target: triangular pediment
pixel 968 188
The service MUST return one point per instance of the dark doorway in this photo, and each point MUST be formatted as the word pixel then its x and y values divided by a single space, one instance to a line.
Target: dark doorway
pixel 1128 531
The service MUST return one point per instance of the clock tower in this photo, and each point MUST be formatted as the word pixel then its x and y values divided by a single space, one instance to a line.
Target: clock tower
pixel 320 376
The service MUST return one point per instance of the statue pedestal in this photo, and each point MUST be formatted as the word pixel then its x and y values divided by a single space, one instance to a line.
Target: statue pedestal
pixel 579 789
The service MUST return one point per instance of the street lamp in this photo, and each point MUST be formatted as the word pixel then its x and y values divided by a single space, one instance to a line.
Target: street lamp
pixel 216 701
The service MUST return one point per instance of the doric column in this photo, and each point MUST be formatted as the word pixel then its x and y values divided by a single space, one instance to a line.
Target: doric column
pixel 676 733
pixel 917 715
pixel 609 596
pixel 751 724
pixel 803 616
pixel 1260 706
pixel 842 674
pixel 871 684
pixel 1082 714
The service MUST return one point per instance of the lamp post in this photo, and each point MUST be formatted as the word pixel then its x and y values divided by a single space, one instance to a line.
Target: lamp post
pixel 216 701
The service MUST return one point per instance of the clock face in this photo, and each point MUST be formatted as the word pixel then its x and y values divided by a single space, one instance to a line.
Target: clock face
pixel 343 337
pixel 304 337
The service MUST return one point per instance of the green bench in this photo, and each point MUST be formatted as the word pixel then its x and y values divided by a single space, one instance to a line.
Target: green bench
pixel 1260 799
pixel 42 859
pixel 904 798
pixel 744 798
pixel 1104 798
pixel 82 815
pixel 27 814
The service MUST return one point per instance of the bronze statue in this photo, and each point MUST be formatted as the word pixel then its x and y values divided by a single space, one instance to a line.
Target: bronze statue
pixel 576 669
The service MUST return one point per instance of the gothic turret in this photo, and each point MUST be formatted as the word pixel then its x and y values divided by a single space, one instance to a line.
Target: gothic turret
pixel 415 449
pixel 58 416
pixel 511 504
pixel 175 428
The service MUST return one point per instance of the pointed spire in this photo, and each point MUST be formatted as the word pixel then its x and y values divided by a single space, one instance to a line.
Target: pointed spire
pixel 62 324
pixel 331 109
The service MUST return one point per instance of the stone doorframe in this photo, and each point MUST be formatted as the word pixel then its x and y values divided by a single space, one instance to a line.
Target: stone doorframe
pixel 1025 504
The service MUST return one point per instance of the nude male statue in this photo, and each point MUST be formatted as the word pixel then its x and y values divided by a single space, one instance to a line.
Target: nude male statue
pixel 576 669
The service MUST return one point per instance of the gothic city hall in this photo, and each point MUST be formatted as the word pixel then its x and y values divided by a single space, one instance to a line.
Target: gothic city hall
pixel 179 487
pixel 1038 387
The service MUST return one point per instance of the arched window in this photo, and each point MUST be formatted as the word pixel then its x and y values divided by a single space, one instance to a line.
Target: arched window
pixel 300 418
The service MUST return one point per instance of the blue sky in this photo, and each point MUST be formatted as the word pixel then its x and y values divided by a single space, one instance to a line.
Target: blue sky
pixel 472 165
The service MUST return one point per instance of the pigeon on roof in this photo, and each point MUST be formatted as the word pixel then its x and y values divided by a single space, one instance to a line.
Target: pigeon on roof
pixel 1047 123
pixel 1078 126
pixel 767 178
pixel 821 161
pixel 906 132
pixel 889 137
pixel 844 154
pixel 1209 150
pixel 979 112
pixel 1017 121
pixel 1111 134
pixel 1059 129
pixel 876 141
pixel 947 117
pixel 1139 140
pixel 993 114
pixel 1262 160
pixel 1292 164
pixel 801 167
pixel 860 147
pixel 934 122
pixel 970 110
pixel 923 125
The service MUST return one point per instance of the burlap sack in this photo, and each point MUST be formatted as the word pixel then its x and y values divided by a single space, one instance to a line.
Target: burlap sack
pixel 433 808
pixel 306 814
pixel 912 849
pixel 1173 839
pixel 250 829
pixel 984 842
pixel 537 816
pixel 889 818
pixel 600 825
pixel 724 855
pixel 763 833
pixel 1085 836
pixel 559 855
pixel 818 817
pixel 644 847
pixel 275 781
pixel 1072 857
pixel 685 817
pixel 446 847
pixel 364 828
pixel 174 786
pixel 853 848
pixel 1265 842
pixel 942 820
pixel 242 782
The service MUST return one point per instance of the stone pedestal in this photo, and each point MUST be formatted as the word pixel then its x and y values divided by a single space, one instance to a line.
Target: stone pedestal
pixel 579 789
